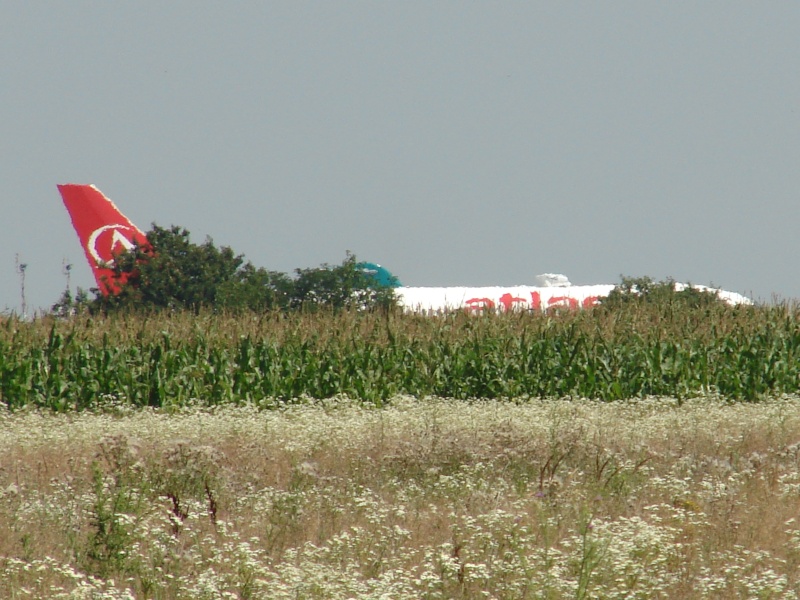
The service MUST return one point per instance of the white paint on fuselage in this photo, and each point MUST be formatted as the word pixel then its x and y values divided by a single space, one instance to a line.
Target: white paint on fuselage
pixel 501 298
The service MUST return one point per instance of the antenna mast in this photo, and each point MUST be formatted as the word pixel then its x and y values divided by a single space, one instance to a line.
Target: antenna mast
pixel 67 269
pixel 21 270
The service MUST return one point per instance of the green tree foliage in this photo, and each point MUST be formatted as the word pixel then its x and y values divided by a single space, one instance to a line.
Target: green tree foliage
pixel 640 291
pixel 68 305
pixel 340 287
pixel 256 289
pixel 174 273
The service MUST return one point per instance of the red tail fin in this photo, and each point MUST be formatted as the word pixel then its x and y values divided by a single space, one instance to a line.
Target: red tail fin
pixel 103 230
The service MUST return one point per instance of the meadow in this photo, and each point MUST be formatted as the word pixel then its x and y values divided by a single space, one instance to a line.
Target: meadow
pixel 645 453
pixel 419 499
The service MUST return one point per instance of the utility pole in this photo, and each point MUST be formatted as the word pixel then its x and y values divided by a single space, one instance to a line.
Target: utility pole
pixel 21 270
pixel 67 269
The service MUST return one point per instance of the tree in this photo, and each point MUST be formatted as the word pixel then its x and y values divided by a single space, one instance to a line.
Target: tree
pixel 344 286
pixel 68 306
pixel 639 291
pixel 172 272
pixel 256 289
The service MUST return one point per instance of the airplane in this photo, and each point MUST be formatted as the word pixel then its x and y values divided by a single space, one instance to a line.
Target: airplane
pixel 104 232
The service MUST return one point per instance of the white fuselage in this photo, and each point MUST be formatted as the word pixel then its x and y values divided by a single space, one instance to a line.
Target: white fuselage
pixel 502 298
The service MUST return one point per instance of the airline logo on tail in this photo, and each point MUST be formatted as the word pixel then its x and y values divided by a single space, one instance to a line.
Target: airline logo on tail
pixel 103 230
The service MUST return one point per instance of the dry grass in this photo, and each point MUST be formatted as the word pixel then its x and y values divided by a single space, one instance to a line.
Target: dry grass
pixel 422 499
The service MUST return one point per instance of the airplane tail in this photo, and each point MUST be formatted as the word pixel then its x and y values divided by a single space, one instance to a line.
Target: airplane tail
pixel 381 275
pixel 103 230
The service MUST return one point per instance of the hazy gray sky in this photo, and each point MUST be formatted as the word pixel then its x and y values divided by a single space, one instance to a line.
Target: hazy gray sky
pixel 455 143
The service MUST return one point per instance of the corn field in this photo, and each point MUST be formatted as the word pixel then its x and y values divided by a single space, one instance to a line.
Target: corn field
pixel 170 360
